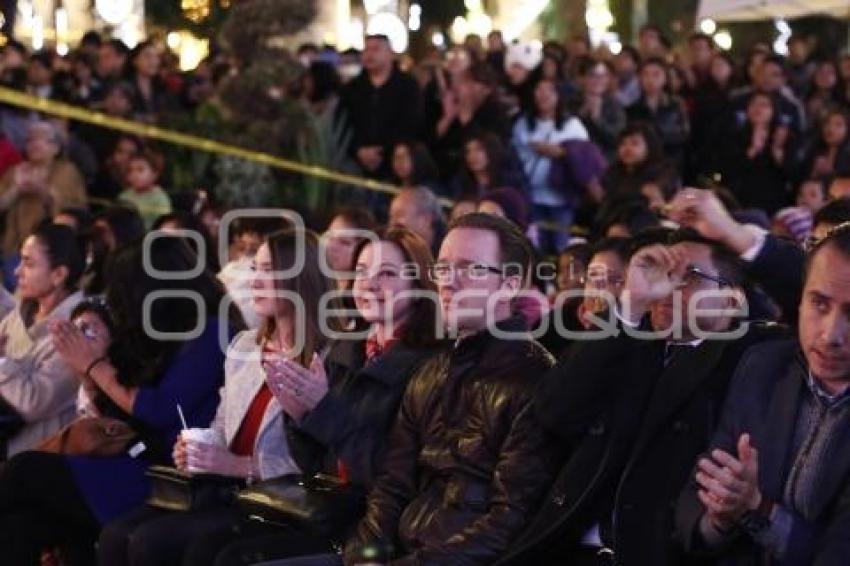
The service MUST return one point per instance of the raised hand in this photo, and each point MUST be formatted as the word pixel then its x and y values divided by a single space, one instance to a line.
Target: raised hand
pixel 653 274
pixel 703 211
pixel 298 390
pixel 729 485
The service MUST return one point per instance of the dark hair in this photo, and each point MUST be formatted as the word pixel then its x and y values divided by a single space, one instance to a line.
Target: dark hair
pixel 63 249
pixel 482 73
pixel 118 46
pixel 424 168
pixel 186 221
pixel 310 284
pixel 532 114
pixel 91 37
pixel 82 217
pixel 820 142
pixel 699 36
pixel 154 160
pixel 777 60
pixel 633 213
pixel 497 157
pixel 261 225
pixel 616 245
pixel 649 237
pixel 420 330
pixel 834 213
pixel 581 251
pixel 514 248
pixel 16 45
pixel 326 81
pixel 305 47
pixel 657 61
pixel 587 64
pixel 654 147
pixel 358 216
pixel 96 306
pixel 125 222
pixel 120 86
pixel 139 357
pixel 632 53
pixel 729 265
pixel 837 238
pixel 42 57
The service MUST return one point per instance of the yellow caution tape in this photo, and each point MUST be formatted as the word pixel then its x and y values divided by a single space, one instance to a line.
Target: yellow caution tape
pixel 141 129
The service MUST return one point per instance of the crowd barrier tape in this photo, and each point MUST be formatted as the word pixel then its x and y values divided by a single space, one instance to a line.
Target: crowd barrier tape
pixel 141 129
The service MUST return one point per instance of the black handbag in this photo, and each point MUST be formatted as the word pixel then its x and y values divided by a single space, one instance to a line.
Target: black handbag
pixel 11 424
pixel 174 490
pixel 320 503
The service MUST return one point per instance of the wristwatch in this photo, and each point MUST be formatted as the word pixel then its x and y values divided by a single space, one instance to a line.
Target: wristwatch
pixel 756 521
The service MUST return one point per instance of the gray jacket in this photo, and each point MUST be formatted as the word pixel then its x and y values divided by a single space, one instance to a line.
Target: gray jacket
pixel 34 379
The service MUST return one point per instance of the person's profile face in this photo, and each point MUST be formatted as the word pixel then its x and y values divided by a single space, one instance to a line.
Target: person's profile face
pixel 36 278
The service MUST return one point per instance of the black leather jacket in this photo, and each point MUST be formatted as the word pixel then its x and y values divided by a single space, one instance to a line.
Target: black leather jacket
pixel 467 462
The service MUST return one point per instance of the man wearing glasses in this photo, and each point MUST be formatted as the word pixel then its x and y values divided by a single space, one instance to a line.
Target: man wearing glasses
pixel 467 463
pixel 637 409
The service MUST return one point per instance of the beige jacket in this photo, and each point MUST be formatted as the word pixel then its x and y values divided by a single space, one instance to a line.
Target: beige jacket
pixel 24 212
pixel 243 377
pixel 34 379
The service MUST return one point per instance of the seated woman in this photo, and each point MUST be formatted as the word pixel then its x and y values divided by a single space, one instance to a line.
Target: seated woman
pixel 829 152
pixel 54 499
pixel 413 166
pixel 342 419
pixel 35 189
pixel 35 383
pixel 640 167
pixel 248 434
pixel 487 164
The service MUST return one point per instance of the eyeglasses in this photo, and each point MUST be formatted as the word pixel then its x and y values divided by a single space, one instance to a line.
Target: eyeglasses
pixel 446 272
pixel 813 242
pixel 693 274
pixel 86 329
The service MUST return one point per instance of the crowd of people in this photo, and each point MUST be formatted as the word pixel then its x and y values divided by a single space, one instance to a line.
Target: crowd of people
pixel 628 341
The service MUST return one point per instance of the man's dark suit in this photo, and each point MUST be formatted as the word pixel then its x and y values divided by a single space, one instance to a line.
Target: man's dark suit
pixel 764 399
pixel 633 429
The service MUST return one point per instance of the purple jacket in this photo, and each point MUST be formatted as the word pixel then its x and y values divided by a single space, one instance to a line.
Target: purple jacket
pixel 582 164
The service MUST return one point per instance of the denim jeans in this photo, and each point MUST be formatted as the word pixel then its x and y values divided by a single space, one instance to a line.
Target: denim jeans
pixel 551 241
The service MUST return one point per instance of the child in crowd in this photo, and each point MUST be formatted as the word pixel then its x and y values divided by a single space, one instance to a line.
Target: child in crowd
pixel 812 194
pixel 144 191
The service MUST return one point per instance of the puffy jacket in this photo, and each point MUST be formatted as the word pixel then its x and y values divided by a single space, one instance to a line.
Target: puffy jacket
pixel 467 462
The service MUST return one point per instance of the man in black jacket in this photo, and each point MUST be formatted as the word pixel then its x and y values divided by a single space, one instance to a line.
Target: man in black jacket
pixel 775 488
pixel 635 410
pixel 381 106
pixel 467 462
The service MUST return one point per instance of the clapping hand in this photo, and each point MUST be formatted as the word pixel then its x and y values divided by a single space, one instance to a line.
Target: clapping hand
pixel 298 390
pixel 77 350
pixel 729 485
